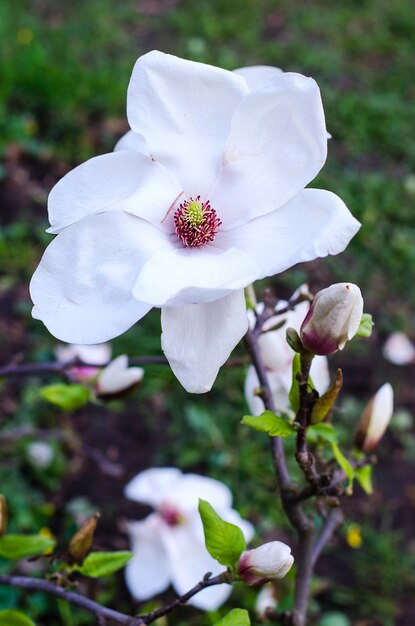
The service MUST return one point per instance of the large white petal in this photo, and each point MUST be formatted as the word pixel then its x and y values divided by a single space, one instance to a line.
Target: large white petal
pixel 184 111
pixel 257 75
pixel 193 486
pixel 195 275
pixel 155 485
pixel 148 573
pixel 189 561
pixel 124 180
pixel 198 338
pixel 82 289
pixel 276 146
pixel 313 224
pixel 132 141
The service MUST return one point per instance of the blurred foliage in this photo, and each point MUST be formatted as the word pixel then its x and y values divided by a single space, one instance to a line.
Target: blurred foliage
pixel 63 78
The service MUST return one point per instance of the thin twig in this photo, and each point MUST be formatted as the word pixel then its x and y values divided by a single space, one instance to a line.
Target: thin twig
pixel 36 584
pixel 102 613
pixel 334 520
pixel 203 584
pixel 62 368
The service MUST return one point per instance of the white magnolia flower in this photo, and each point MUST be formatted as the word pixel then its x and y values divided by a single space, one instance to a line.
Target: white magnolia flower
pixel 169 545
pixel 118 377
pixel 203 196
pixel 278 359
pixel 399 349
pixel 266 600
pixel 333 319
pixel 97 354
pixel 268 562
pixel 375 419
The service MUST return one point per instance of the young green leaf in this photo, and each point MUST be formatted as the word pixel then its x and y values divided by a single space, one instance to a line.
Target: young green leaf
pixel 364 478
pixel 224 541
pixel 344 464
pixel 268 422
pixel 66 397
pixel 294 395
pixel 236 617
pixel 325 403
pixel 15 547
pixel 10 617
pixel 321 432
pixel 99 564
pixel 366 325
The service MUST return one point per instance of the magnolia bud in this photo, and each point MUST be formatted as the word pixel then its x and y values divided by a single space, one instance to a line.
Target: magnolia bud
pixel 333 319
pixel 269 561
pixel 81 542
pixel 375 419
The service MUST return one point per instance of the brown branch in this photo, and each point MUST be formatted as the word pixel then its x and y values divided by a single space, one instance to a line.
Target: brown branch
pixel 61 368
pixel 102 613
pixel 203 584
pixel 36 584
pixel 333 521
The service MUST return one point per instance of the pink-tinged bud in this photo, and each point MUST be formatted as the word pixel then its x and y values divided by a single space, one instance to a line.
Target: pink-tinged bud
pixel 333 319
pixel 375 419
pixel 270 561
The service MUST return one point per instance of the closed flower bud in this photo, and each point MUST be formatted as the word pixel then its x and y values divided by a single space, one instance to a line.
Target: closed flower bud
pixel 270 561
pixel 333 319
pixel 375 419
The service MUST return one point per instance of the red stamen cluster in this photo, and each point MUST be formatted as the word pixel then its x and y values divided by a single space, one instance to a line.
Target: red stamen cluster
pixel 196 232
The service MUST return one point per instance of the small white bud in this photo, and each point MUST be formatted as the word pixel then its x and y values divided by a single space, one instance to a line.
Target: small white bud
pixel 399 349
pixel 117 377
pixel 270 561
pixel 40 454
pixel 333 319
pixel 375 419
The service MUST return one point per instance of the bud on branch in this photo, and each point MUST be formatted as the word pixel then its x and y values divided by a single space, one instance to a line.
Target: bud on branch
pixel 333 319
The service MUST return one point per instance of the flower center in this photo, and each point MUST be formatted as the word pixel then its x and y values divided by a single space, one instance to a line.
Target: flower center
pixel 196 222
pixel 171 515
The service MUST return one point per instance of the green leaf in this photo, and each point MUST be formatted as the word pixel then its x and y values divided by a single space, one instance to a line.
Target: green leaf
pixel 236 617
pixel 15 547
pixel 294 395
pixel 364 478
pixel 366 325
pixel 224 541
pixel 322 432
pixel 344 464
pixel 66 397
pixel 268 422
pixel 9 617
pixel 99 564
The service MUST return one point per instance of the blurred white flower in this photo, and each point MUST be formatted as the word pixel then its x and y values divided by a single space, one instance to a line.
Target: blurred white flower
pixel 40 454
pixel 118 377
pixel 333 319
pixel 268 562
pixel 203 196
pixel 375 419
pixel 266 600
pixel 169 545
pixel 98 354
pixel 278 358
pixel 399 349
